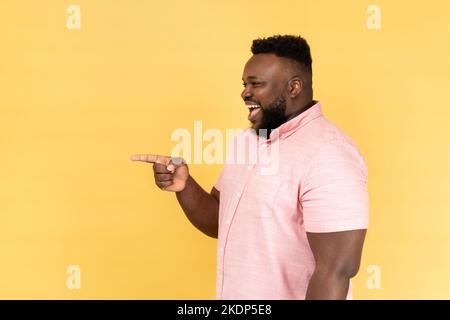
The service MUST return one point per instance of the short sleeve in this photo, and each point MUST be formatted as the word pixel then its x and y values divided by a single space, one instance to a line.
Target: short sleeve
pixel 334 194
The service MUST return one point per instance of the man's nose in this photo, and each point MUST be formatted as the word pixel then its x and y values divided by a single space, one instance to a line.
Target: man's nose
pixel 246 94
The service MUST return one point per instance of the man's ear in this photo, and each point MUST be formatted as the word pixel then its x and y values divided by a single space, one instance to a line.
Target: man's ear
pixel 295 87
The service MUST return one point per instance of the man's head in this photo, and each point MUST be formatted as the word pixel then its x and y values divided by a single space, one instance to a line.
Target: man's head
pixel 278 80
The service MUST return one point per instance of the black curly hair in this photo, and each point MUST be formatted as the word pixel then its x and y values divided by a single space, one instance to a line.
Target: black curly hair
pixel 287 46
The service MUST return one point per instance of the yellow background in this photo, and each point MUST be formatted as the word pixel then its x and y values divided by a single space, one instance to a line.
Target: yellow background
pixel 75 104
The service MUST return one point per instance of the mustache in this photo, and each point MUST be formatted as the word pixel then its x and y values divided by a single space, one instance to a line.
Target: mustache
pixel 248 100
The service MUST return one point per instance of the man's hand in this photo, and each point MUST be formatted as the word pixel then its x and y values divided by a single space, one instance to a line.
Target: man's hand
pixel 170 174
pixel 200 207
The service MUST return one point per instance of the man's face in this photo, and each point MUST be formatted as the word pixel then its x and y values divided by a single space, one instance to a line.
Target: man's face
pixel 265 84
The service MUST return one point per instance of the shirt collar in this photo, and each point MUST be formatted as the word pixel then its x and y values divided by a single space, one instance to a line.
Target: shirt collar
pixel 289 127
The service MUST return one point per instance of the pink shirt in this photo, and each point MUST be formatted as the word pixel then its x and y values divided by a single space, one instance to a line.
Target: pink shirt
pixel 319 184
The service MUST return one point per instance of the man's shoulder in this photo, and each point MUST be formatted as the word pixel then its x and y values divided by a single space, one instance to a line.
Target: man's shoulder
pixel 328 141
pixel 322 131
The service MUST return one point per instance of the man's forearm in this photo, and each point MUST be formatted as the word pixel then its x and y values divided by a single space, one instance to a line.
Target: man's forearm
pixel 328 285
pixel 200 207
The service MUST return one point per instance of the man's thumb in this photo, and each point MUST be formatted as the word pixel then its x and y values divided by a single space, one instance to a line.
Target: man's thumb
pixel 175 162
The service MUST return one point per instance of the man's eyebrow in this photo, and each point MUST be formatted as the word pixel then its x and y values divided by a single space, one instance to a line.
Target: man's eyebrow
pixel 251 78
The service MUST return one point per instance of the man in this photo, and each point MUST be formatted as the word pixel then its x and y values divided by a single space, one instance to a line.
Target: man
pixel 296 234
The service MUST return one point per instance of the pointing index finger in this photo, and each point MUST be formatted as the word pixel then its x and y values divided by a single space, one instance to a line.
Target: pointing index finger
pixel 150 158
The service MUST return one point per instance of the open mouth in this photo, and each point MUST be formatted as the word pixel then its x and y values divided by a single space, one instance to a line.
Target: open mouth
pixel 253 109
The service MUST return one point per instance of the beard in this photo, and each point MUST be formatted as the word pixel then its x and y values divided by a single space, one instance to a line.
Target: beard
pixel 272 117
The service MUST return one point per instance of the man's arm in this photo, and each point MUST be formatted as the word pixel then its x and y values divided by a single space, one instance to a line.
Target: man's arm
pixel 200 207
pixel 337 256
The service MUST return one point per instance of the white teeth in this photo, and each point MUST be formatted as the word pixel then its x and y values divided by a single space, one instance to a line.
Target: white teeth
pixel 253 106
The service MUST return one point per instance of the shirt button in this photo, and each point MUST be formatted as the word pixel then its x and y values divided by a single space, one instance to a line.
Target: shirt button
pixel 238 194
pixel 220 276
pixel 249 167
pixel 221 249
pixel 228 222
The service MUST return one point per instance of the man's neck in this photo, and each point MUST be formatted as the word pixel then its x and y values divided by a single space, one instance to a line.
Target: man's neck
pixel 303 108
